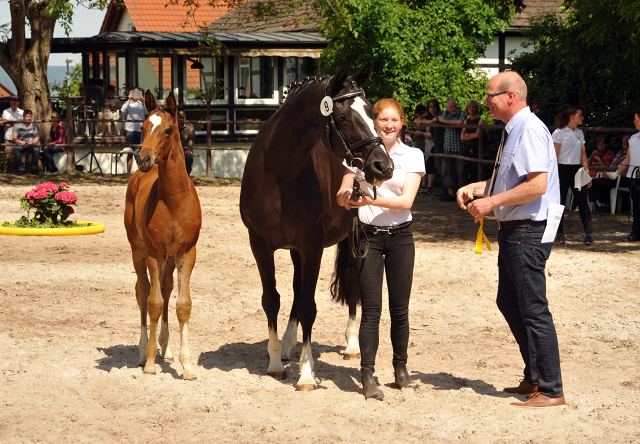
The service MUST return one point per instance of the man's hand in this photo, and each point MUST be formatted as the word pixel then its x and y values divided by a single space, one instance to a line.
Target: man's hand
pixel 480 208
pixel 463 195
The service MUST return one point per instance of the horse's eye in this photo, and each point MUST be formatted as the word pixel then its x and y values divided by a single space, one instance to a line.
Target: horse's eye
pixel 341 117
pixel 168 131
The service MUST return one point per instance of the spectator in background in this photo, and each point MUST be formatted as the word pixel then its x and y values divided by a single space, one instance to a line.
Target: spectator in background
pixel 601 156
pixel 405 137
pixel 452 169
pixel 569 143
pixel 630 164
pixel 424 143
pixel 26 136
pixel 471 137
pixel 108 112
pixel 135 109
pixel 187 138
pixel 57 140
pixel 11 114
pixel 537 110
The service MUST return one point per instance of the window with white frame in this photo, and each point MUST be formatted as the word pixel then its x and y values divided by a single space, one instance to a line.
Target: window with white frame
pixel 197 79
pixel 255 81
pixel 297 68
pixel 251 115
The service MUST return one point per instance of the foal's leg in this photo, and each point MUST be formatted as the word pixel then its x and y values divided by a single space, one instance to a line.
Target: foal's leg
pixel 142 294
pixel 166 287
pixel 183 309
pixel 311 259
pixel 270 302
pixel 290 337
pixel 351 334
pixel 154 307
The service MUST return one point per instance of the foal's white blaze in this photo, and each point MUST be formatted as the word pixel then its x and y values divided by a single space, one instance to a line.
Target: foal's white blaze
pixel 289 339
pixel 351 335
pixel 306 366
pixel 358 106
pixel 275 353
pixel 155 121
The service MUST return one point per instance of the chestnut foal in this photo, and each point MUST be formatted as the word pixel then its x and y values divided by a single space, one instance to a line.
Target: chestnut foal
pixel 162 217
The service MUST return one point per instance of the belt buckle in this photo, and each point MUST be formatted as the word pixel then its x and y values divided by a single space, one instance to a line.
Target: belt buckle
pixel 377 230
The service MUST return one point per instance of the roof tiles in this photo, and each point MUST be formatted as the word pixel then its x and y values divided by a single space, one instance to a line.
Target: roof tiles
pixel 157 16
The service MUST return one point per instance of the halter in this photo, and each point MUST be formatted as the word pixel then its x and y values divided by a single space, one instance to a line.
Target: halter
pixel 349 156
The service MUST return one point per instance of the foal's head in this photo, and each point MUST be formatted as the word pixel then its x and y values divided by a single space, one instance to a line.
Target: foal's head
pixel 353 116
pixel 160 132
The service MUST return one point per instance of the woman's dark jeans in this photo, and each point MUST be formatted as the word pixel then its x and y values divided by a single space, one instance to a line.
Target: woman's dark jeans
pixel 394 254
pixel 635 201
pixel 47 155
pixel 567 174
pixel 522 300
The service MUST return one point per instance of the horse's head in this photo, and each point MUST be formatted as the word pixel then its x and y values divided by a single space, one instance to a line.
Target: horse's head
pixel 352 134
pixel 159 131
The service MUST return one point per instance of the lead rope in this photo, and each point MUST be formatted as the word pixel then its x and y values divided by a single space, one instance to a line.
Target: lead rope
pixel 481 236
pixel 356 232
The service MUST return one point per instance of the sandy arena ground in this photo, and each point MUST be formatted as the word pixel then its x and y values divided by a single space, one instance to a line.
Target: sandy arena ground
pixel 69 328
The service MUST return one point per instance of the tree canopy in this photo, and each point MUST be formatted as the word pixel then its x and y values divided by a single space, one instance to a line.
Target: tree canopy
pixel 590 60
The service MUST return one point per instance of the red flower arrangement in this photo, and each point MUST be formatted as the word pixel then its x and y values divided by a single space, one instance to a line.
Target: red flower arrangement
pixel 51 202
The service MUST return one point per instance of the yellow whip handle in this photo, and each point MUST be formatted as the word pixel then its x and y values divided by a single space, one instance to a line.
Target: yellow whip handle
pixel 481 236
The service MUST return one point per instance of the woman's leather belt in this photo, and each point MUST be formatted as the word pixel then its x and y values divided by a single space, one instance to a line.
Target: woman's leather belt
pixel 389 230
pixel 511 224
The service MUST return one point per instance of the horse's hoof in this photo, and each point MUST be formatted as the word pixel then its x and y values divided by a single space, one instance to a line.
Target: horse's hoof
pixel 189 377
pixel 306 387
pixel 149 372
pixel 351 356
pixel 280 376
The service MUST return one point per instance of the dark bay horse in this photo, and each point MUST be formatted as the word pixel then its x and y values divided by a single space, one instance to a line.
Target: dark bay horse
pixel 288 198
pixel 162 218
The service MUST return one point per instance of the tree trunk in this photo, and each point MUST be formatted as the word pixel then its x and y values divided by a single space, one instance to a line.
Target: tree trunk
pixel 27 65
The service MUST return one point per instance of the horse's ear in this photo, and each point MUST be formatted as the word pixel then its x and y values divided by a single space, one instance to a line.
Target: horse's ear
pixel 170 105
pixel 150 101
pixel 363 75
pixel 336 82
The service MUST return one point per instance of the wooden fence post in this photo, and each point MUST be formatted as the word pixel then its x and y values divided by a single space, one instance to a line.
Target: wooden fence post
pixel 71 155
pixel 209 174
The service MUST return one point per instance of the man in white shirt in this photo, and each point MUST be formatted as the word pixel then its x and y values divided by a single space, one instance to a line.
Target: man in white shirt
pixel 135 109
pixel 11 115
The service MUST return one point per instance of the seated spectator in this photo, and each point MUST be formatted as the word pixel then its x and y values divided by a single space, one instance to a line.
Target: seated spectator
pixel 599 191
pixel 110 111
pixel 471 137
pixel 187 137
pixel 57 138
pixel 26 136
pixel 11 114
pixel 601 156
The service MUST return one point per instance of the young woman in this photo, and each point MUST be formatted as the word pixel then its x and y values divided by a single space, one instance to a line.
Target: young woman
pixel 387 221
pixel 471 136
pixel 57 137
pixel 569 143
pixel 629 164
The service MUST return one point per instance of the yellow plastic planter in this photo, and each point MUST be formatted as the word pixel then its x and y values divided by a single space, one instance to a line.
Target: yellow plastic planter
pixel 71 231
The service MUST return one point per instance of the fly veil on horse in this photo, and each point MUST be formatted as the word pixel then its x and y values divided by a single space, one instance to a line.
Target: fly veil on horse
pixel 162 218
pixel 288 198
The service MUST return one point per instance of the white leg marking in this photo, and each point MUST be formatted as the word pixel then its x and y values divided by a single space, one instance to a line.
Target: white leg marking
pixel 155 121
pixel 275 353
pixel 289 340
pixel 306 367
pixel 185 357
pixel 164 341
pixel 142 348
pixel 351 335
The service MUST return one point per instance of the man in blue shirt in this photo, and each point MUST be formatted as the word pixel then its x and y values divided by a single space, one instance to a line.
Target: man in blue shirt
pixel 526 182
pixel 452 169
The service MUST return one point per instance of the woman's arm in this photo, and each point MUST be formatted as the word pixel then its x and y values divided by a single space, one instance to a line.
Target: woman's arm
pixel 624 166
pixel 402 202
pixel 557 145
pixel 345 189
pixel 585 160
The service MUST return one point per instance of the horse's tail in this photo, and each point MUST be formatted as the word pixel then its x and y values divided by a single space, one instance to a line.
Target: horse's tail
pixel 344 282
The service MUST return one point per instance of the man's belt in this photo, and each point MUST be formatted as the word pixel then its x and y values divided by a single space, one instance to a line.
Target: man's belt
pixel 389 230
pixel 511 224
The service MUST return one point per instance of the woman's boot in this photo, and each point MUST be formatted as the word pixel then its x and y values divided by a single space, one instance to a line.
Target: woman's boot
pixel 369 386
pixel 403 380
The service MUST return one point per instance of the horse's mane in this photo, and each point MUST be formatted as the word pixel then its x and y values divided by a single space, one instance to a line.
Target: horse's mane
pixel 295 87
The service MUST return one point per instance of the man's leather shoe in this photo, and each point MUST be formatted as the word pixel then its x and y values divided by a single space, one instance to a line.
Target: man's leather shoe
pixel 523 389
pixel 538 400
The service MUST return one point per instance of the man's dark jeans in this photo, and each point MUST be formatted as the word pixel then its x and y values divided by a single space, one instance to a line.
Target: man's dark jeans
pixel 522 299
pixel 393 255
pixel 35 157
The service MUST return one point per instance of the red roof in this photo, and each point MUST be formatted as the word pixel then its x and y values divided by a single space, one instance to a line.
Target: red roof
pixel 157 16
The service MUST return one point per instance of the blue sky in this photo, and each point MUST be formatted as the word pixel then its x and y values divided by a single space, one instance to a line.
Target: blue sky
pixel 86 23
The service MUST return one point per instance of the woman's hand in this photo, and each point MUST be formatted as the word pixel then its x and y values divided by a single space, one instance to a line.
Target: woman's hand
pixel 363 201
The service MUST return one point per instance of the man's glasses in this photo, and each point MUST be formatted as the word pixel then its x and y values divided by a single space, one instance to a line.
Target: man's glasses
pixel 491 96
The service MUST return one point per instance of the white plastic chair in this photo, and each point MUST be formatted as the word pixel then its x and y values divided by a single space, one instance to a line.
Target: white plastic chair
pixel 614 196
